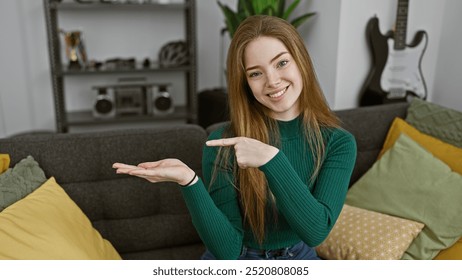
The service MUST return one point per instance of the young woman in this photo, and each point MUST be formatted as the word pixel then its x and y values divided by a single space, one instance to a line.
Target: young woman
pixel 275 178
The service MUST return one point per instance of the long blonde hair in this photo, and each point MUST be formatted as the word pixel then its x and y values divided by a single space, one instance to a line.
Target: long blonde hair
pixel 251 119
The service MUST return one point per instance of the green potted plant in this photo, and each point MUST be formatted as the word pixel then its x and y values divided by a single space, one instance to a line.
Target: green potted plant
pixel 247 8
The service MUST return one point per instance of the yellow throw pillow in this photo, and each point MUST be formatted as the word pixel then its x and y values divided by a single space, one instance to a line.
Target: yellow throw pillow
pixel 4 162
pixel 452 253
pixel 447 153
pixel 48 225
pixel 360 234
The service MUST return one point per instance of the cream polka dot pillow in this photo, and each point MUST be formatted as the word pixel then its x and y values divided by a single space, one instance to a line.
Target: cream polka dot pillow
pixel 360 234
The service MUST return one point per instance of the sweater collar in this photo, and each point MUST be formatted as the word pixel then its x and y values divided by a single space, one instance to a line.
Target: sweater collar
pixel 290 129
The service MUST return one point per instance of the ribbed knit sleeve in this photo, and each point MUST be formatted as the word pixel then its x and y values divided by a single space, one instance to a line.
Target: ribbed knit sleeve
pixel 311 210
pixel 215 210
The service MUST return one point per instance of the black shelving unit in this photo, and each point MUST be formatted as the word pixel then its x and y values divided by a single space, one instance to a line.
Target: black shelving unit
pixel 60 71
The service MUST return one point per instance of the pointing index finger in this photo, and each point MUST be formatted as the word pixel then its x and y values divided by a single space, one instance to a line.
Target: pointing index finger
pixel 223 142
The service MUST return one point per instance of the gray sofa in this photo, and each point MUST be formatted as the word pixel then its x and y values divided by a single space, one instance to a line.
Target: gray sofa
pixel 146 221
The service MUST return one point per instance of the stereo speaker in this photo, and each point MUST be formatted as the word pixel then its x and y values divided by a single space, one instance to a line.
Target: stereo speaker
pixel 161 102
pixel 104 106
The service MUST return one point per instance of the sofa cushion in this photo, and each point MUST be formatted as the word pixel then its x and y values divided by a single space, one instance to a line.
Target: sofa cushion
pixel 369 126
pixel 48 225
pixel 360 234
pixel 136 215
pixel 449 154
pixel 4 162
pixel 452 253
pixel 19 181
pixel 409 182
pixel 438 121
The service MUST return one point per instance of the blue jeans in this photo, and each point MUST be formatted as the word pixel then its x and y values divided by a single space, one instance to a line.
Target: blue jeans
pixel 299 251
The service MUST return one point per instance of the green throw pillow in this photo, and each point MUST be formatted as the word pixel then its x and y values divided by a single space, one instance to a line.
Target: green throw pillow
pixel 19 181
pixel 438 121
pixel 409 182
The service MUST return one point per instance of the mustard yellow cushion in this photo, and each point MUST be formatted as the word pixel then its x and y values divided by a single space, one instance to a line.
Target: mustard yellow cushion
pixel 447 153
pixel 47 224
pixel 4 162
pixel 452 253
pixel 360 234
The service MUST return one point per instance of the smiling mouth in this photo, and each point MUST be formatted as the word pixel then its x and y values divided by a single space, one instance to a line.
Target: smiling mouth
pixel 279 93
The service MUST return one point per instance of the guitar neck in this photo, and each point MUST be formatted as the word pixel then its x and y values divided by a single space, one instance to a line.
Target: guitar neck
pixel 401 25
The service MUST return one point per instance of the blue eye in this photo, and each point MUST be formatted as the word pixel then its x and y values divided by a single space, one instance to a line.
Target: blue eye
pixel 254 74
pixel 282 63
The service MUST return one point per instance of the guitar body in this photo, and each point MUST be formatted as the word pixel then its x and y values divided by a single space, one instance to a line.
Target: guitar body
pixel 402 75
pixel 395 75
pixel 372 93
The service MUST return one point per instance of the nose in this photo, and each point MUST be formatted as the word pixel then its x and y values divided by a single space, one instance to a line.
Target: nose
pixel 273 78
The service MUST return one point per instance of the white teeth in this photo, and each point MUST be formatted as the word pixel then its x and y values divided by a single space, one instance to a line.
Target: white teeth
pixel 277 94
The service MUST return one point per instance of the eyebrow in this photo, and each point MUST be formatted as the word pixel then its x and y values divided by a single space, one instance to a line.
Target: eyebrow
pixel 273 59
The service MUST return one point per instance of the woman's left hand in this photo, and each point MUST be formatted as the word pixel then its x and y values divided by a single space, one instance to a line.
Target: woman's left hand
pixel 249 152
pixel 171 170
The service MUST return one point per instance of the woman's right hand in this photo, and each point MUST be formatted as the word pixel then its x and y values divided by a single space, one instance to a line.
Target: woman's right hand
pixel 167 170
pixel 249 152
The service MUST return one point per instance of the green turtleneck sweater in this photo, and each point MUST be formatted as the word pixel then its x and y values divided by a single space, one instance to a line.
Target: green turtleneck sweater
pixel 306 210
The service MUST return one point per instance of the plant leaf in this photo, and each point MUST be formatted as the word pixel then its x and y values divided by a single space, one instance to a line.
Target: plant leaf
pixel 249 7
pixel 301 19
pixel 290 9
pixel 231 19
pixel 240 6
pixel 246 8
pixel 280 8
pixel 269 10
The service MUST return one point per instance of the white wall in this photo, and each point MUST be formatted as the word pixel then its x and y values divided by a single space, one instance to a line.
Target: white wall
pixel 447 89
pixel 211 56
pixel 335 38
pixel 26 98
pixel 321 35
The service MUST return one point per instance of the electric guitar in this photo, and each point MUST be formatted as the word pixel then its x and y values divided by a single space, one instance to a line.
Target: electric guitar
pixel 396 75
